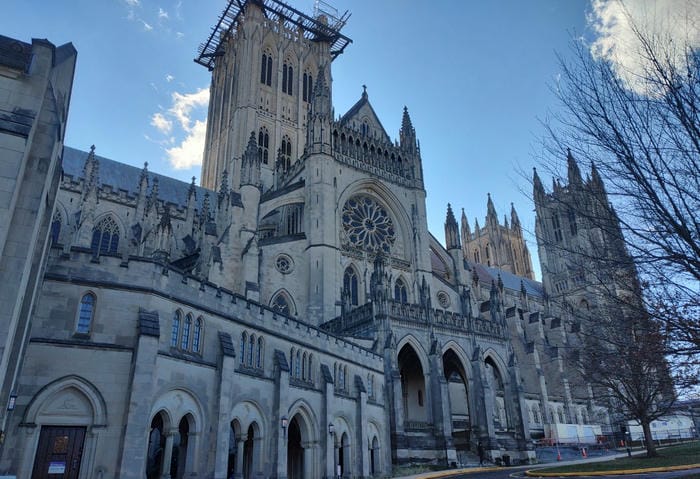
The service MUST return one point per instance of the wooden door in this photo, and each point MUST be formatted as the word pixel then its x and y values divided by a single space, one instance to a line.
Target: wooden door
pixel 59 452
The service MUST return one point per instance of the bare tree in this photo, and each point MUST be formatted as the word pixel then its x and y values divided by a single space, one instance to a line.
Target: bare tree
pixel 644 139
pixel 641 131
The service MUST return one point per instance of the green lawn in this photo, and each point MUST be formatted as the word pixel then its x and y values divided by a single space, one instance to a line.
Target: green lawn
pixel 682 454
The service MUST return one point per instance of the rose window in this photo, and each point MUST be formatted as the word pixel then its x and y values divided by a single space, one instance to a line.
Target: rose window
pixel 367 224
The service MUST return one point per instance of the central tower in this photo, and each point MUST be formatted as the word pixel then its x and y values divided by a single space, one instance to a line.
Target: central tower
pixel 264 57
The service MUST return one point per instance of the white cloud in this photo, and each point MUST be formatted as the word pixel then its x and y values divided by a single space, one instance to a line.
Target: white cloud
pixel 162 14
pixel 133 3
pixel 188 113
pixel 169 78
pixel 161 123
pixel 613 22
pixel 190 151
pixel 146 26
pixel 179 34
pixel 184 103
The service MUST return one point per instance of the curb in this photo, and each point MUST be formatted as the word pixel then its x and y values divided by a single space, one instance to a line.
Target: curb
pixel 535 473
pixel 454 472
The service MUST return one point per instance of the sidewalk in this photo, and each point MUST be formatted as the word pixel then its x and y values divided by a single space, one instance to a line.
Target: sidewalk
pixel 532 469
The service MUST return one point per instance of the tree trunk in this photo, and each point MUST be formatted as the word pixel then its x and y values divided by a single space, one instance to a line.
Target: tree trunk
pixel 649 440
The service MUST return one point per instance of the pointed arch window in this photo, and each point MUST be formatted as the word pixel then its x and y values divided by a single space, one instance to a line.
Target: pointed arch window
pixel 86 313
pixel 282 304
pixel 251 349
pixel 287 78
pixel 307 87
pixel 105 236
pixel 266 69
pixel 187 327
pixel 244 344
pixel 259 357
pixel 286 153
pixel 175 332
pixel 264 145
pixel 56 226
pixel 350 283
pixel 197 337
pixel 556 228
pixel 400 291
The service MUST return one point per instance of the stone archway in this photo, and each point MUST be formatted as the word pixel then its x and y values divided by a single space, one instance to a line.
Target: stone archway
pixel 71 411
pixel 457 384
pixel 295 450
pixel 494 375
pixel 412 388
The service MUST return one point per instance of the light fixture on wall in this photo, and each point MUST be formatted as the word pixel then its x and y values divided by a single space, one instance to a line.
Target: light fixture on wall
pixel 11 401
pixel 331 429
pixel 284 423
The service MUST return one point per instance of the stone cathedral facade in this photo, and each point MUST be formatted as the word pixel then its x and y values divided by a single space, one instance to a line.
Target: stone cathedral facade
pixel 292 317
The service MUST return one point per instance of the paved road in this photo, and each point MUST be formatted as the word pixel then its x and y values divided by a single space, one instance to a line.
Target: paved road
pixel 519 472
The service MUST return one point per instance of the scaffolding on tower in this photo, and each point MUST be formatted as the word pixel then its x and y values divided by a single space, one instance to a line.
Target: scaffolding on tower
pixel 325 27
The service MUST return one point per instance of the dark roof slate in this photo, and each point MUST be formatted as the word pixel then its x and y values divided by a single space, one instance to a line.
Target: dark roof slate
pixel 121 176
pixel 511 281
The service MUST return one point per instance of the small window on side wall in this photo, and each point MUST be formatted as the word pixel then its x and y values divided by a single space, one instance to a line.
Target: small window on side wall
pixel 86 313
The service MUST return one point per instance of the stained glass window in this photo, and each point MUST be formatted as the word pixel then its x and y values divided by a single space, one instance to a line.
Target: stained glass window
pixel 185 342
pixel 367 224
pixel 175 333
pixel 281 304
pixel 87 309
pixel 105 236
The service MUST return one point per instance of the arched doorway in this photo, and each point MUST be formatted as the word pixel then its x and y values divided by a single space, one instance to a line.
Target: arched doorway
pixel 249 453
pixel 295 451
pixel 178 460
pixel 412 388
pixel 232 449
pixel 457 385
pixel 495 379
pixel 156 446
pixel 344 455
pixel 374 467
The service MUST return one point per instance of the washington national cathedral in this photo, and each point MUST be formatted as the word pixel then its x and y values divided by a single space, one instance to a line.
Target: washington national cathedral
pixel 290 317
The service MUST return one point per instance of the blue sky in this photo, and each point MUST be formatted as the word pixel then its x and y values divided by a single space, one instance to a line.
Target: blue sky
pixel 475 76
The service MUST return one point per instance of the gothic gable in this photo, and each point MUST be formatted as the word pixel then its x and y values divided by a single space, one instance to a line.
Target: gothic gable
pixel 363 118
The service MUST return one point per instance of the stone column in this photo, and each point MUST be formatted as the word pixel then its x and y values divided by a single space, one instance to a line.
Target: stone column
pixel 226 380
pixel 240 450
pixel 168 453
pixel 281 374
pixel 328 441
pixel 135 442
pixel 362 467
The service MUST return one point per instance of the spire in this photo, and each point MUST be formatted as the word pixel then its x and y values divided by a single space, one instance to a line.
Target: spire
pixel 466 232
pixel 91 171
pixel 596 180
pixel 143 178
pixel 538 188
pixel 321 100
pixel 204 217
pixel 153 198
pixel 514 220
pixel 451 230
pixel 192 191
pixel 573 171
pixel 318 127
pixel 223 189
pixel 142 192
pixel 505 220
pixel 250 163
pixel 476 227
pixel 491 216
pixel 407 134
